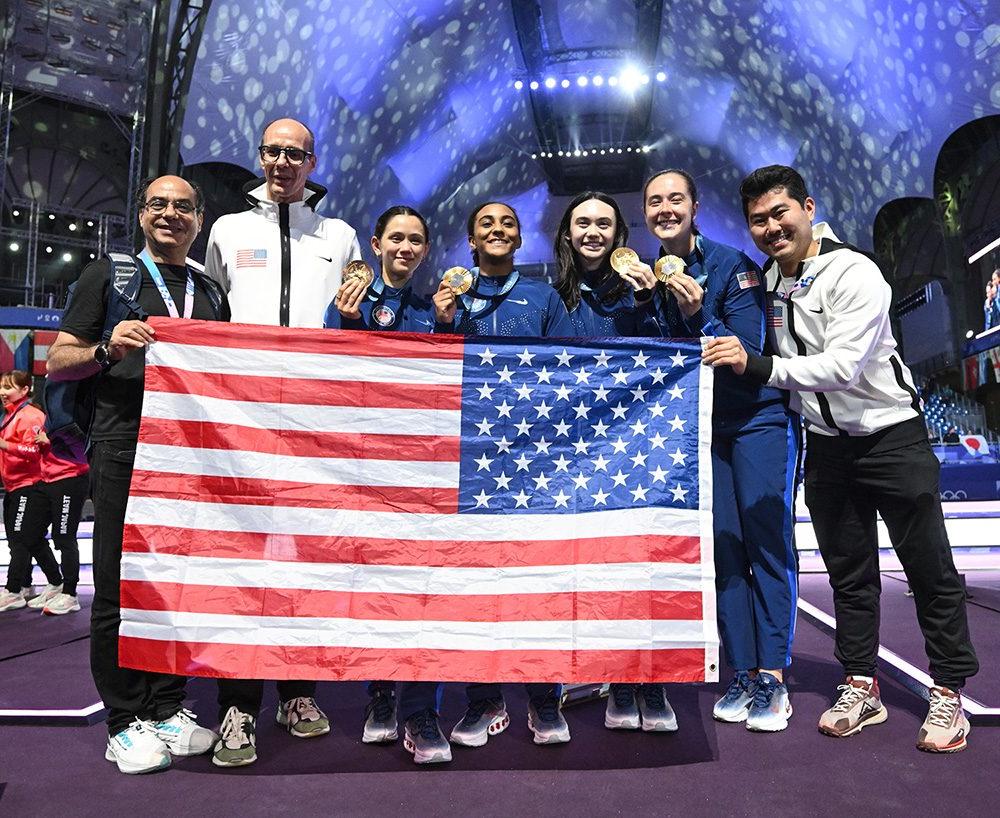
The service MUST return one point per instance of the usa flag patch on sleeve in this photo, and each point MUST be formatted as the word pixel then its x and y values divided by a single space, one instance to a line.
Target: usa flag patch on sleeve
pixel 748 279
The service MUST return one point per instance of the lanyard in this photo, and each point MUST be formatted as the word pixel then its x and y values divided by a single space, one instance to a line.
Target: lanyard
pixel 377 293
pixel 161 285
pixel 10 415
pixel 476 305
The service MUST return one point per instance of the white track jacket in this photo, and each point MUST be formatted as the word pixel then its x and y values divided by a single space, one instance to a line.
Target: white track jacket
pixel 837 353
pixel 280 264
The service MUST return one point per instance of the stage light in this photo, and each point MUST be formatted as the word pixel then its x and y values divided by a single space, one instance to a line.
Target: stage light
pixel 532 156
pixel 533 85
pixel 72 227
pixel 598 80
pixel 645 79
pixel 576 152
pixel 612 81
pixel 969 334
pixel 52 217
pixel 550 82
pixel 582 81
pixel 646 149
pixel 559 153
pixel 603 151
pixel 15 213
pixel 14 246
pixel 90 223
pixel 630 78
pixel 565 83
pixel 92 255
pixel 661 76
pixel 67 256
pixel 48 249
pixel 518 85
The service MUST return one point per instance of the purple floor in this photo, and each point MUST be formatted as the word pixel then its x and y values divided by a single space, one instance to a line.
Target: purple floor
pixel 901 634
pixel 705 769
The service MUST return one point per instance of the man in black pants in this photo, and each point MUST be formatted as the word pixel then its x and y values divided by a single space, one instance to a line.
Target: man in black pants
pixel 867 450
pixel 147 722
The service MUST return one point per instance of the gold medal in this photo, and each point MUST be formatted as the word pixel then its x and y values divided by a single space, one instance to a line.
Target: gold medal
pixel 667 267
pixel 622 258
pixel 359 271
pixel 458 279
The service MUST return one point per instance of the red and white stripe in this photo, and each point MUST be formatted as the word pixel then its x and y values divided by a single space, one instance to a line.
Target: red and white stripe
pixel 293 515
pixel 43 339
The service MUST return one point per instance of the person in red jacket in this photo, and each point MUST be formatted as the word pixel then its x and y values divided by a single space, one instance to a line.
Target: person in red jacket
pixel 65 484
pixel 25 508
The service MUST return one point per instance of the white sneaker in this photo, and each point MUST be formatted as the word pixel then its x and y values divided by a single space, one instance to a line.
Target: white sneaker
pixel 183 736
pixel 50 592
pixel 11 601
pixel 137 749
pixel 61 604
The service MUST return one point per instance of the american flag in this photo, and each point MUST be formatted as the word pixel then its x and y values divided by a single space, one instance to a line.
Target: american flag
pixel 251 258
pixel 775 314
pixel 43 339
pixel 350 505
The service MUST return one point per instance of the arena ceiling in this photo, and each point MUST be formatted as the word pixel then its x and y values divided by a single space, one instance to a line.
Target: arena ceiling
pixel 415 102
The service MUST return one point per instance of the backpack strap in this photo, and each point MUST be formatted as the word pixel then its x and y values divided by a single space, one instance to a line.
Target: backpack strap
pixel 126 281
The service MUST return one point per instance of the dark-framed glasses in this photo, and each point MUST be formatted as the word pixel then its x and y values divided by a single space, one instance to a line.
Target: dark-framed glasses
pixel 270 154
pixel 158 206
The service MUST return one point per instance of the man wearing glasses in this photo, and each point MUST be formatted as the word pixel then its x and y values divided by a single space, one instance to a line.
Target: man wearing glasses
pixel 281 262
pixel 147 721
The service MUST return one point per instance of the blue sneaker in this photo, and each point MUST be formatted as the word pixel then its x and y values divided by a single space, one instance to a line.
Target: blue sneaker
pixel 484 718
pixel 657 714
pixel 771 709
pixel 622 712
pixel 733 706
pixel 422 736
pixel 545 719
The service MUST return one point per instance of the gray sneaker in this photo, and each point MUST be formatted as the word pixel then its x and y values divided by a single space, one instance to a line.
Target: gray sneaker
pixel 771 709
pixel 380 719
pixel 302 717
pixel 422 736
pixel 545 720
pixel 622 712
pixel 483 719
pixel 657 714
pixel 858 705
pixel 735 704
pixel 237 744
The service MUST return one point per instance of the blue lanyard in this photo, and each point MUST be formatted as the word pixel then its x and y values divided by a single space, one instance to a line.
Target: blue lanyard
pixel 161 285
pixel 477 305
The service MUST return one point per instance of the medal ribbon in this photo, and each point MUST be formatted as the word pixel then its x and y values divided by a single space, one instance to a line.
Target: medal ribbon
pixel 161 285
pixel 474 306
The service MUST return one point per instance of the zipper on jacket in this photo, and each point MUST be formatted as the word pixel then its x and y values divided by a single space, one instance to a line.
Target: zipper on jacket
pixel 284 308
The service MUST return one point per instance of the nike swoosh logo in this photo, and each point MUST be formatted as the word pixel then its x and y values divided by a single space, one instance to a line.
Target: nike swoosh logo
pixel 519 301
pixel 812 310
pixel 425 323
pixel 327 259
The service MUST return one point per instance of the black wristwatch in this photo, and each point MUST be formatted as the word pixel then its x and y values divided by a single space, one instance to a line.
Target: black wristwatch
pixel 103 356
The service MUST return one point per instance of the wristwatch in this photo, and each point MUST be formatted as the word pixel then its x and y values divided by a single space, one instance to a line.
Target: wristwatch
pixel 103 356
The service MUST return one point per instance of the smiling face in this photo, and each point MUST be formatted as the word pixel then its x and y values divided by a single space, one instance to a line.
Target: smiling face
pixel 670 212
pixel 592 226
pixel 402 246
pixel 782 227
pixel 170 234
pixel 287 182
pixel 495 235
pixel 10 393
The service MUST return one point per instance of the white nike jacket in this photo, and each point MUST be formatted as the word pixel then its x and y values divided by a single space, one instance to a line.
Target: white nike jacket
pixel 280 263
pixel 837 353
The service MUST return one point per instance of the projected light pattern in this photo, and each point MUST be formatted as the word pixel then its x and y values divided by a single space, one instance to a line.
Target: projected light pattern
pixel 414 102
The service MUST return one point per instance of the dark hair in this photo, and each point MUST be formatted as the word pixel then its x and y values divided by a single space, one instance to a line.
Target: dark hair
pixel 140 194
pixel 471 223
pixel 399 210
pixel 568 272
pixel 692 189
pixel 764 180
pixel 17 378
pixel 310 145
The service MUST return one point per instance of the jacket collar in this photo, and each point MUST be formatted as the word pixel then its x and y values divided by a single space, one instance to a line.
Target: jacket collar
pixel 255 192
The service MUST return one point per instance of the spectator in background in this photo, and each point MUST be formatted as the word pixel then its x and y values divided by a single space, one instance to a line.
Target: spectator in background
pixel 951 436
pixel 991 306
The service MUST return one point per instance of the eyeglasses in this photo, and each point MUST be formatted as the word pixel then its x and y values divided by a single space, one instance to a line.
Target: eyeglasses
pixel 269 154
pixel 159 206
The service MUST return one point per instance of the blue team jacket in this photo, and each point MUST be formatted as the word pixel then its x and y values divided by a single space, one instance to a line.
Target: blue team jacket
pixel 386 308
pixel 531 308
pixel 592 318
pixel 733 305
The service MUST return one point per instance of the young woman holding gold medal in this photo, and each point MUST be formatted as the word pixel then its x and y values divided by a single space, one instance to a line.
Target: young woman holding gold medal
pixel 714 290
pixel 386 302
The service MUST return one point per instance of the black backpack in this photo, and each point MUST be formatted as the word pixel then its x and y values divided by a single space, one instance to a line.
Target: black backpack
pixel 69 405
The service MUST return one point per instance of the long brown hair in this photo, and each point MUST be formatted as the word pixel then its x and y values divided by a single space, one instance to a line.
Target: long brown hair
pixel 568 272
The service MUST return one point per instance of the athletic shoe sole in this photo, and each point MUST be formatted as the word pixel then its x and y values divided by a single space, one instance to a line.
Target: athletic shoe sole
pixel 283 721
pixel 13 606
pixel 135 769
pixel 876 718
pixel 242 762
pixel 496 727
pixel 742 717
pixel 50 612
pixel 380 737
pixel 620 724
pixel 437 757
pixel 755 727
pixel 957 747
